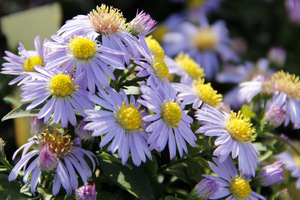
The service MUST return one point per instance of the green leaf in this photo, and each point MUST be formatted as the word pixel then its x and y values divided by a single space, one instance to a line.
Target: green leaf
pixel 171 198
pixel 131 178
pixel 107 196
pixel 9 190
pixel 12 101
pixel 21 111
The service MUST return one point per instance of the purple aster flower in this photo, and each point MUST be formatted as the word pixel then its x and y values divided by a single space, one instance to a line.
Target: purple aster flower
pixel 291 164
pixel 232 184
pixel 121 123
pixel 206 188
pixel 169 122
pixel 64 92
pixel 53 151
pixel 85 54
pixel 277 55
pixel 86 192
pixel 293 8
pixel 271 174
pixel 204 43
pixel 234 135
pixel 21 65
pixel 108 24
pixel 141 25
pixel 275 114
pixel 197 93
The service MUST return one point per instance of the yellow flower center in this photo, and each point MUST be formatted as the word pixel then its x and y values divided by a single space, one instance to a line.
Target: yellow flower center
pixel 62 85
pixel 205 39
pixel 240 129
pixel 31 62
pixel 107 20
pixel 129 117
pixel 206 93
pixel 240 188
pixel 155 48
pixel 194 3
pixel 171 114
pixel 192 68
pixel 82 48
pixel 287 83
pixel 58 143
pixel 160 68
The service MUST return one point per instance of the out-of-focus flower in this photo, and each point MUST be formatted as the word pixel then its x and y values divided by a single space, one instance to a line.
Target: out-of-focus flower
pixel 108 24
pixel 277 55
pixel 21 65
pixel 235 135
pixel 293 10
pixel 53 151
pixel 204 43
pixel 198 93
pixel 121 122
pixel 271 174
pixel 169 121
pixel 65 93
pixel 239 45
pixel 84 54
pixel 86 192
pixel 232 185
pixel 291 164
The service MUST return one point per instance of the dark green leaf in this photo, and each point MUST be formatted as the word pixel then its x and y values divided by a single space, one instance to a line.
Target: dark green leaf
pixel 21 112
pixel 9 190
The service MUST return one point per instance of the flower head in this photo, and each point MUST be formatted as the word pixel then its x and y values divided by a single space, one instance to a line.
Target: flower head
pixel 21 65
pixel 141 25
pixel 64 92
pixel 206 188
pixel 235 135
pixel 86 192
pixel 121 123
pixel 53 152
pixel 169 121
pixel 271 174
pixel 231 184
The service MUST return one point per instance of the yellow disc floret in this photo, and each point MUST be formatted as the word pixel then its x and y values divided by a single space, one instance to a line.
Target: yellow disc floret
pixel 82 48
pixel 160 68
pixel 31 62
pixel 194 3
pixel 189 65
pixel 205 39
pixel 287 83
pixel 129 117
pixel 107 20
pixel 206 93
pixel 58 143
pixel 155 47
pixel 171 114
pixel 61 85
pixel 240 188
pixel 240 128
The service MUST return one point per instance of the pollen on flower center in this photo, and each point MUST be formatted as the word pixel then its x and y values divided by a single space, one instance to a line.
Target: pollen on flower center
pixel 160 68
pixel 205 39
pixel 31 62
pixel 62 85
pixel 206 93
pixel 192 68
pixel 82 48
pixel 287 83
pixel 240 129
pixel 58 143
pixel 195 3
pixel 107 20
pixel 240 188
pixel 155 47
pixel 171 114
pixel 129 117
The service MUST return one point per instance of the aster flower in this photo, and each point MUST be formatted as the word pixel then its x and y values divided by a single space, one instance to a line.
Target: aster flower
pixel 234 135
pixel 64 93
pixel 271 174
pixel 121 123
pixel 232 184
pixel 53 152
pixel 204 43
pixel 141 25
pixel 293 7
pixel 198 93
pixel 169 121
pixel 275 114
pixel 277 55
pixel 205 189
pixel 25 62
pixel 86 192
pixel 108 24
pixel 85 54
pixel 291 164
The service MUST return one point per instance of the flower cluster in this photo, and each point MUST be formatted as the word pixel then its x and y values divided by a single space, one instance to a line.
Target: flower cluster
pixel 114 106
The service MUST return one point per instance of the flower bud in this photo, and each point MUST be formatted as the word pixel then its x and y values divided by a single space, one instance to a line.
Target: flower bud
pixel 275 116
pixel 86 192
pixel 272 174
pixel 83 134
pixel 2 152
pixel 48 160
pixel 205 189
